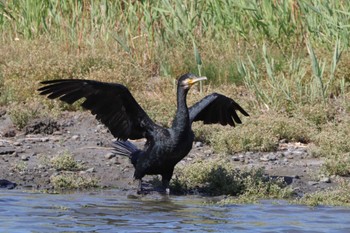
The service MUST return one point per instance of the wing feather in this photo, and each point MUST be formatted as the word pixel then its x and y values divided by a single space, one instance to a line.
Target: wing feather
pixel 111 103
pixel 216 108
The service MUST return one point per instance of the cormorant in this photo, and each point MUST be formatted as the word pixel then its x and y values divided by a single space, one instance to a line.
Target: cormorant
pixel 115 107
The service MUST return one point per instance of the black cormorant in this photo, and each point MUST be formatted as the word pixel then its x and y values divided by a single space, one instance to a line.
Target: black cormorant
pixel 115 107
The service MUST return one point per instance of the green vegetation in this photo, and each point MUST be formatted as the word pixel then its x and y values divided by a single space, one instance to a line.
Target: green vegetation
pixel 71 180
pixel 338 196
pixel 65 162
pixel 219 177
pixel 69 176
pixel 285 61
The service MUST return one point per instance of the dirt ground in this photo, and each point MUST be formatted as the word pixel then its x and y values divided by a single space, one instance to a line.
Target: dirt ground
pixel 25 156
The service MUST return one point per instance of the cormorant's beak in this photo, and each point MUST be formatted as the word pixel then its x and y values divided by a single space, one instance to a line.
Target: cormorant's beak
pixel 192 81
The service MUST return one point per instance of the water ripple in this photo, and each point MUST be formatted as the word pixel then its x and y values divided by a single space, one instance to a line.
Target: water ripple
pixel 112 211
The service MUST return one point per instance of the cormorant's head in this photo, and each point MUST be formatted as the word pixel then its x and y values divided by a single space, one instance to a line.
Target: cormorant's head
pixel 186 81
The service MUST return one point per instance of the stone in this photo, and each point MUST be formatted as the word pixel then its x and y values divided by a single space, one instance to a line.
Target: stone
pixel 115 160
pixel 10 133
pixel 325 179
pixel 110 155
pixel 198 144
pixel 24 157
pixel 264 158
pixel 312 183
pixel 235 158
pixel 7 184
pixel 6 150
pixel 17 144
pixel 90 170
pixel 75 137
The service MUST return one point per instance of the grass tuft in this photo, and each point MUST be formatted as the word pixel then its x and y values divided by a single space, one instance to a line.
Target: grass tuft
pixel 217 177
pixel 66 162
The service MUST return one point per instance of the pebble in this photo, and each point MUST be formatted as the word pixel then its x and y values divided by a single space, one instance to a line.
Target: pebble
pixel 90 170
pixel 75 137
pixel 44 139
pixel 312 183
pixel 265 158
pixel 24 157
pixel 6 150
pixel 325 179
pixel 198 144
pixel 115 160
pixel 110 155
pixel 17 144
pixel 10 133
pixel 235 158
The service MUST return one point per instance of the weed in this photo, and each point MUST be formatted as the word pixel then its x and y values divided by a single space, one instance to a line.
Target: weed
pixel 21 114
pixel 65 162
pixel 335 196
pixel 217 177
pixel 71 180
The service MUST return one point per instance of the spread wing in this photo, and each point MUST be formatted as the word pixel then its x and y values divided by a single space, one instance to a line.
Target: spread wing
pixel 216 108
pixel 112 104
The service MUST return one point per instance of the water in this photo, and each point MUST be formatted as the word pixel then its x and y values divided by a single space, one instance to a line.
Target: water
pixel 114 211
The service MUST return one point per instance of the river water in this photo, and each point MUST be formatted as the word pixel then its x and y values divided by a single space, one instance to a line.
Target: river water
pixel 114 211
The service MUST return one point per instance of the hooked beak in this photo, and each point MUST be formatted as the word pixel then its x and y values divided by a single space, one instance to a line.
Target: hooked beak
pixel 191 81
pixel 197 79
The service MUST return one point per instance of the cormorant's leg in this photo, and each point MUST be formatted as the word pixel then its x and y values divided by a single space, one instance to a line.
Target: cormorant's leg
pixel 165 184
pixel 166 180
pixel 139 189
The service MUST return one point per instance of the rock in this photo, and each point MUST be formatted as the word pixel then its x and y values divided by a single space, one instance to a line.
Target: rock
pixel 312 183
pixel 7 184
pixel 110 155
pixel 15 154
pixel 41 126
pixel 289 155
pixel 198 144
pixel 91 170
pixel 264 158
pixel 272 157
pixel 44 139
pixel 57 133
pixel 17 144
pixel 75 137
pixel 115 160
pixel 10 133
pixel 325 179
pixel 6 150
pixel 24 157
pixel 235 158
pixel 2 112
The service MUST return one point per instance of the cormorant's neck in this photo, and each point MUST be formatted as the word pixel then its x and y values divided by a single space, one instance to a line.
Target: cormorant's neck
pixel 181 120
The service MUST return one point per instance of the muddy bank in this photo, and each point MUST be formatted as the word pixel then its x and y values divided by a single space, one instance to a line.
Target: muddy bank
pixel 26 156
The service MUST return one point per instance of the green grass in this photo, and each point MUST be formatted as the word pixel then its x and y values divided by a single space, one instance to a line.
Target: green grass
pixel 65 162
pixel 71 181
pixel 339 196
pixel 219 177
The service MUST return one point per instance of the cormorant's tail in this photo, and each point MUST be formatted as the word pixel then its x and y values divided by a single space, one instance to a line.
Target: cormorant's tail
pixel 124 148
